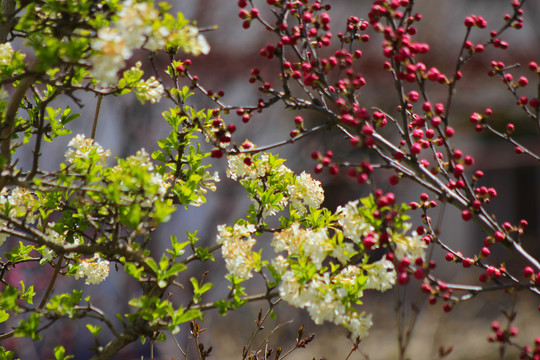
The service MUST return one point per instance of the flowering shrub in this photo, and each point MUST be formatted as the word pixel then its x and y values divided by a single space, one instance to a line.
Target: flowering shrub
pixel 92 213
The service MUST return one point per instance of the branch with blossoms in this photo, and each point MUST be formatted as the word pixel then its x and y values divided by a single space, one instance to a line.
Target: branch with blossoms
pixel 93 212
pixel 417 142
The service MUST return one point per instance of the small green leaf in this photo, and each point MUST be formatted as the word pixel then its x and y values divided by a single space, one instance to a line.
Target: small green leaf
pixel 3 316
pixel 94 329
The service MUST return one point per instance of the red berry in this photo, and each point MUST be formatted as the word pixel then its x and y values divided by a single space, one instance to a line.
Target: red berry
pixel 419 273
pixel 469 21
pixel 354 141
pixel 466 215
pixel 523 81
pixel 413 96
pixel 467 262
pixel 216 153
pixel 528 271
pixel 403 278
pixel 499 236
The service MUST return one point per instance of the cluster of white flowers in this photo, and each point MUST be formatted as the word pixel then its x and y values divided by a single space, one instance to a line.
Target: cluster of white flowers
pixel 142 160
pixel 83 148
pixel 236 245
pixel 296 241
pixel 20 202
pixel 135 23
pixel 6 54
pixel 94 269
pixel 358 324
pixel 323 298
pixel 116 45
pixel 238 169
pixel 409 246
pixel 137 26
pixel 353 224
pixel 280 264
pixel 149 90
pixel 381 275
pixel 343 252
pixel 111 57
pixel 192 41
pixel 305 192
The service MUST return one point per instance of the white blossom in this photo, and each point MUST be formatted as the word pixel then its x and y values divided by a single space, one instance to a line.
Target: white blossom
pixel 305 192
pixel 82 148
pixel 236 245
pixel 323 301
pixel 357 324
pixel 6 54
pixel 94 269
pixel 21 203
pixel 150 90
pixel 137 26
pixel 409 246
pixel 238 169
pixel 353 224
pixel 112 52
pixel 313 244
pixel 348 275
pixel 280 264
pixel 196 43
pixel 381 275
pixel 343 252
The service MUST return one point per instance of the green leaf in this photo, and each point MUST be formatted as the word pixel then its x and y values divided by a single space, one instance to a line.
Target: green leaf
pixel 27 296
pixel 174 270
pixel 60 353
pixel 4 316
pixel 5 354
pixel 94 329
pixel 28 328
pixel 153 265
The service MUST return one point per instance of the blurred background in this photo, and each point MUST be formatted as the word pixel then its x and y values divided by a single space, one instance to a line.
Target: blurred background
pixel 125 126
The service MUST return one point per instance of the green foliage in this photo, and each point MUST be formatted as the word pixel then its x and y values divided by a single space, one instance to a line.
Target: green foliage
pixel 60 353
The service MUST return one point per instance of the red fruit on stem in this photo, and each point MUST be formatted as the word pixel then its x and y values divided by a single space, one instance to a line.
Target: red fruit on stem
pixel 528 271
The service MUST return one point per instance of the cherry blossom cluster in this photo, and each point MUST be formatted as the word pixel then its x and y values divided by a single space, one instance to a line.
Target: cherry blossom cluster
pixel 139 25
pixel 323 268
pixel 95 270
